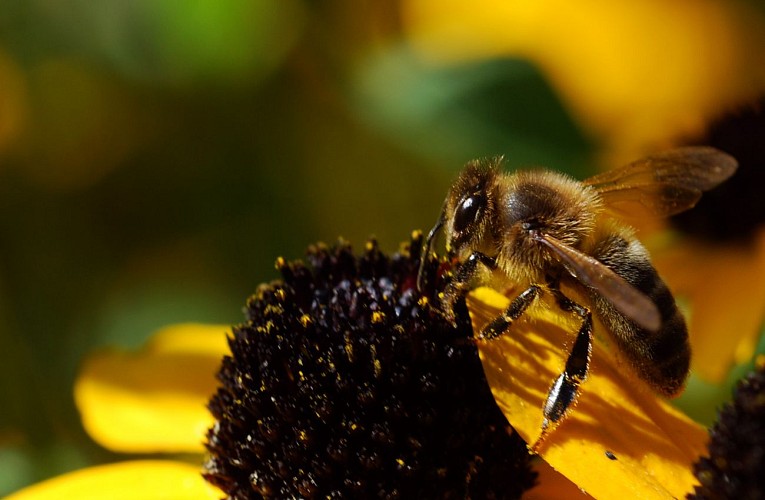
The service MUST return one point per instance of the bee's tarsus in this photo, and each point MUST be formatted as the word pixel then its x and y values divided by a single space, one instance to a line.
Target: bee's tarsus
pixel 565 389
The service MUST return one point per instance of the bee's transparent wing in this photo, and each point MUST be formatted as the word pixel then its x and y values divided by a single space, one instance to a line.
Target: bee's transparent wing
pixel 591 272
pixel 664 184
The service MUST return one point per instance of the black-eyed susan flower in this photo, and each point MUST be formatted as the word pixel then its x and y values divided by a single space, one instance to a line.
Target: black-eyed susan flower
pixel 734 464
pixel 345 382
pixel 342 382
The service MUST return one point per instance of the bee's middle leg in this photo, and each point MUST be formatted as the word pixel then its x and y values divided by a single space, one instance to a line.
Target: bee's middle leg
pixel 565 389
pixel 518 306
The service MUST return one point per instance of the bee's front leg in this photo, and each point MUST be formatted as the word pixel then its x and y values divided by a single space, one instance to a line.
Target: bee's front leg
pixel 461 281
pixel 565 389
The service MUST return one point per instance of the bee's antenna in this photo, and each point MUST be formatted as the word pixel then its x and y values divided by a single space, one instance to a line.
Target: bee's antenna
pixel 426 252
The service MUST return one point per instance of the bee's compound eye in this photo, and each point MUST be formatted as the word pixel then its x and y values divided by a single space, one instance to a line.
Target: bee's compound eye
pixel 467 211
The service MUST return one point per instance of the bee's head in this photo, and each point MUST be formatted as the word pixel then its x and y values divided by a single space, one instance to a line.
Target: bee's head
pixel 469 209
pixel 467 212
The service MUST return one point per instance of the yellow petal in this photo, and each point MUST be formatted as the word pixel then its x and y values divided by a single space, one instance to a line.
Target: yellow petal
pixel 141 479
pixel 725 289
pixel 635 73
pixel 153 400
pixel 553 484
pixel 654 444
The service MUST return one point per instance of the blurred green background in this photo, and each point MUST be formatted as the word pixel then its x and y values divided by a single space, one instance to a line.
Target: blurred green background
pixel 156 156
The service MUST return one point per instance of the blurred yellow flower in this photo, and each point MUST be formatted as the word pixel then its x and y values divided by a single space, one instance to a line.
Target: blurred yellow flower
pixel 713 279
pixel 144 479
pixel 635 74
pixel 150 401
pixel 153 400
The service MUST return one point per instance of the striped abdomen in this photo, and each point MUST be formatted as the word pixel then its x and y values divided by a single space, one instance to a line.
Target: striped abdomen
pixel 661 358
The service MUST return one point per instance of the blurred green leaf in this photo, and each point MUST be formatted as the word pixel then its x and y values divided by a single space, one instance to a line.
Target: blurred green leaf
pixel 16 469
pixel 456 113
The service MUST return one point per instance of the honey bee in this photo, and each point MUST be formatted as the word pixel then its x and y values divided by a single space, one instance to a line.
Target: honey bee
pixel 539 230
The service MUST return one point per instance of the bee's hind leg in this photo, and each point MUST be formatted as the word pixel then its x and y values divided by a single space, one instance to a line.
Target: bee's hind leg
pixel 565 389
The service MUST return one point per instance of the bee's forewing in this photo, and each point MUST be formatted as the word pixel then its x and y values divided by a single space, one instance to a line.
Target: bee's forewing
pixel 593 273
